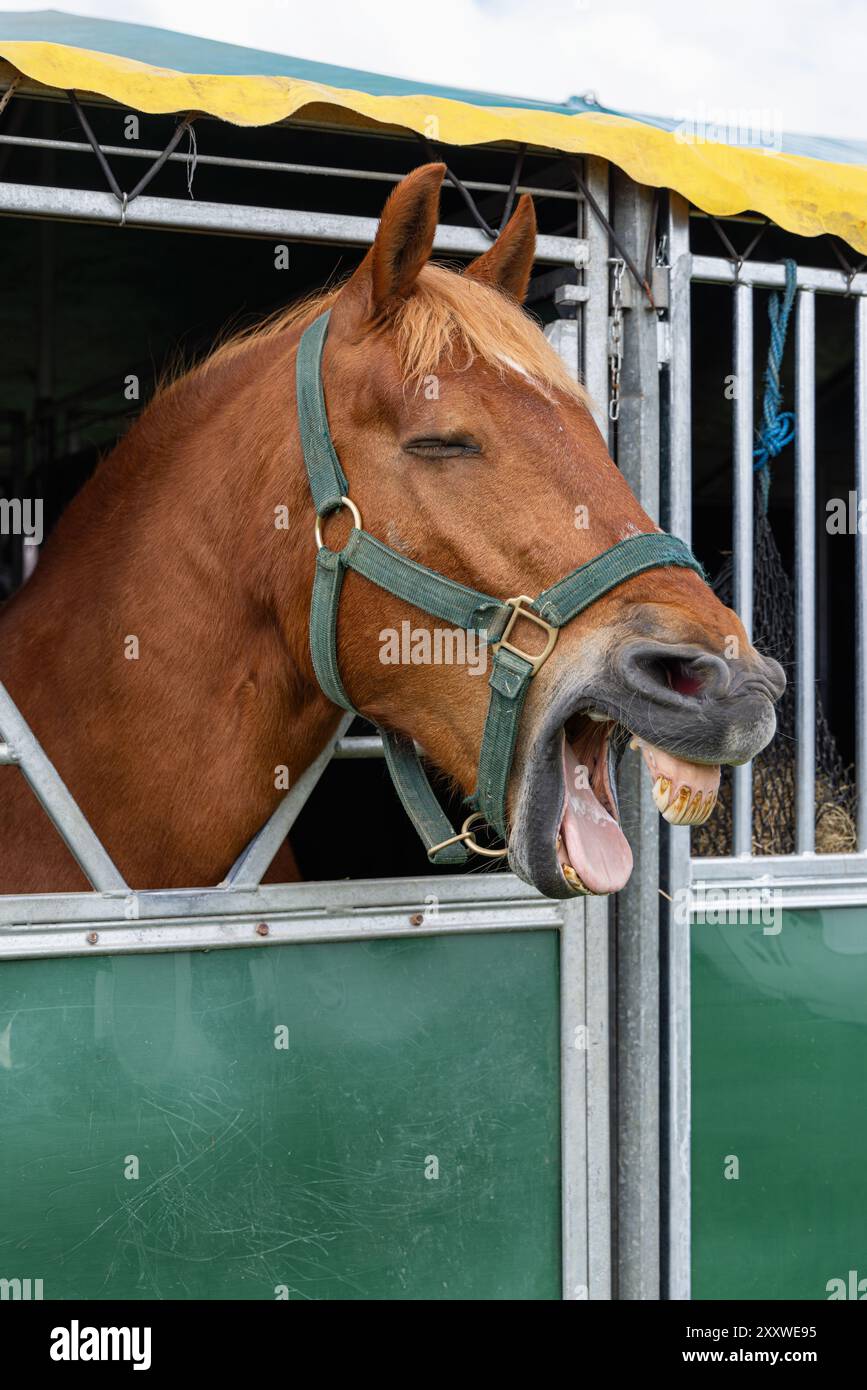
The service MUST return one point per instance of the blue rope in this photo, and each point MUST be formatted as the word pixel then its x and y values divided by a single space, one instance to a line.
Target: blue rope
pixel 778 426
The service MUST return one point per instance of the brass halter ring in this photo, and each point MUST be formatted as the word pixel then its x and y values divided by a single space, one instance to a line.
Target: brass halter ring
pixel 356 520
pixel 466 837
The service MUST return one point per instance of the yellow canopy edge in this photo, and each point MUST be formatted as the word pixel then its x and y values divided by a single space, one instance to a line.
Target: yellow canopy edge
pixel 805 196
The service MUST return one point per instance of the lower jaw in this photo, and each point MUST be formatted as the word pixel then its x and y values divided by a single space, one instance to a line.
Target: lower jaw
pixel 593 854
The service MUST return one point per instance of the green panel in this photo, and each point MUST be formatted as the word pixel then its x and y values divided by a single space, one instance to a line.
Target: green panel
pixel 780 1083
pixel 300 1166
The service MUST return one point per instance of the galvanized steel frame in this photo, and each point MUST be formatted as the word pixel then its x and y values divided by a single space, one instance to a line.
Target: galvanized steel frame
pixel 636 913
pixel 804 879
pixel 811 281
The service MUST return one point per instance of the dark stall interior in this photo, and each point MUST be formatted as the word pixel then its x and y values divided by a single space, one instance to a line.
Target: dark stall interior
pixel 835 554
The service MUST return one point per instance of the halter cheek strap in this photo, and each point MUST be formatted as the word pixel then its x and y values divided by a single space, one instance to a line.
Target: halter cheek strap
pixel 492 619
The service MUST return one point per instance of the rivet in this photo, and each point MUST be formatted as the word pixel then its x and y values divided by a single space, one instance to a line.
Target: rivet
pixel 92 938
pixel 417 919
pixel 262 929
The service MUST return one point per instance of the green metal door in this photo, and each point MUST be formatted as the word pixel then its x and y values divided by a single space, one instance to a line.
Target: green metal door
pixel 351 1120
pixel 780 1107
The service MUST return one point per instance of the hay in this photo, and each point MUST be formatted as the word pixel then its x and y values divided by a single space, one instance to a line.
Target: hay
pixel 774 768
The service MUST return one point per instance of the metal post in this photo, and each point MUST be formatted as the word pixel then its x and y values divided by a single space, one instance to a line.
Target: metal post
pixel 637 1051
pixel 805 574
pixel 861 570
pixel 675 937
pixel 584 972
pixel 573 1103
pixel 598 1041
pixel 742 534
pixel 594 317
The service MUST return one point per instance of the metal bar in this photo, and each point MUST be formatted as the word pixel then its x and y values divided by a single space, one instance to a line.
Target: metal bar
pixel 573 1103
pixel 789 898
pixel 780 888
pixel 861 571
pixel 198 917
pixel 95 146
pixel 638 981
pixel 127 939
pixel 629 258
pixel 594 314
pixel 250 868
pixel 771 868
pixel 742 533
pixel 805 574
pixel 366 747
pixel 469 891
pixel 715 270
pixel 278 166
pixel 597 914
pixel 56 800
pixel 185 125
pixel 676 839
pixel 679 516
pixel 230 219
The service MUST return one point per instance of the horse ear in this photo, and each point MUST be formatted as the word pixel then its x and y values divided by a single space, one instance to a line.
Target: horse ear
pixel 405 236
pixel 509 262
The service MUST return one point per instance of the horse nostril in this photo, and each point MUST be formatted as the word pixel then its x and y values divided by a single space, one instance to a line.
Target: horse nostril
pixel 692 675
pixel 683 677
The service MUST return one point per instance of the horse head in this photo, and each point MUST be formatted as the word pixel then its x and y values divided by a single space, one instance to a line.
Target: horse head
pixel 469 449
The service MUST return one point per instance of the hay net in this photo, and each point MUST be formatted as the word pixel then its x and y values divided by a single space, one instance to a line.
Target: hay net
pixel 773 778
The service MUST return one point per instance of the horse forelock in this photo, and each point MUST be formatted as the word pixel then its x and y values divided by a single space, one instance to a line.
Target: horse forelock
pixel 451 321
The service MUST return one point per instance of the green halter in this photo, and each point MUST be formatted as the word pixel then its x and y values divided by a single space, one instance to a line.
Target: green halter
pixel 453 603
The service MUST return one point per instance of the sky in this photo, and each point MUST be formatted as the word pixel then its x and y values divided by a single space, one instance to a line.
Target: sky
pixel 801 61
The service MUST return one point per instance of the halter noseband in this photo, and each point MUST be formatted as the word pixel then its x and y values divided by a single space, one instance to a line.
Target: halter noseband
pixel 493 619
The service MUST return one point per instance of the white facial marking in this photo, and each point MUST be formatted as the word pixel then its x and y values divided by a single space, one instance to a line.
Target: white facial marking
pixel 514 366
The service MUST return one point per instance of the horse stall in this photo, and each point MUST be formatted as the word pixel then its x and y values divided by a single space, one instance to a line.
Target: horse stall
pixel 391 1080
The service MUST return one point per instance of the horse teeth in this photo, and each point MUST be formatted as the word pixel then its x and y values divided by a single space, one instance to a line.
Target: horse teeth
pixel 572 878
pixel 661 794
pixel 695 810
pixel 705 811
pixel 685 807
pixel 676 811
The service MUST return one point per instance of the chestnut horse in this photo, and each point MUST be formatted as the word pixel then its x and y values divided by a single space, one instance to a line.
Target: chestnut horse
pixel 160 651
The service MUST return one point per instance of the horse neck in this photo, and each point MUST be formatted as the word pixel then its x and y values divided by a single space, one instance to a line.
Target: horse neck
pixel 154 652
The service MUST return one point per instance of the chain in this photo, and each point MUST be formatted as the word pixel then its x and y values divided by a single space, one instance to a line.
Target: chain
pixel 615 337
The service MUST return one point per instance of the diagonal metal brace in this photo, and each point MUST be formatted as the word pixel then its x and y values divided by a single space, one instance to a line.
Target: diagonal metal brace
pixel 22 749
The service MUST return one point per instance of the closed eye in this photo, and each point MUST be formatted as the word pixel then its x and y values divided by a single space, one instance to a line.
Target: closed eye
pixel 441 448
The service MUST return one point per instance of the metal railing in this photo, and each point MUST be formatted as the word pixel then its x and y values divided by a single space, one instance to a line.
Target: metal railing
pixel 744 279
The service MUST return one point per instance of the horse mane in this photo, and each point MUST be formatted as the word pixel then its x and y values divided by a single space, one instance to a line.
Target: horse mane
pixel 448 320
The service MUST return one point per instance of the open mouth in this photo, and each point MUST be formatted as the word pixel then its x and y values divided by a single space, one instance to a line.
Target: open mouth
pixel 592 851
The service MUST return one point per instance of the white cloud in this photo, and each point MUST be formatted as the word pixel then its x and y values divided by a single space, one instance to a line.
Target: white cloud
pixel 801 58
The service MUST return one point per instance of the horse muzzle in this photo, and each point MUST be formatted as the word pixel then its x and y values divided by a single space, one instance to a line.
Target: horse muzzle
pixel 684 710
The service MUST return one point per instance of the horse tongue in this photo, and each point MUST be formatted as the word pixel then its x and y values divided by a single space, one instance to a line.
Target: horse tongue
pixel 592 841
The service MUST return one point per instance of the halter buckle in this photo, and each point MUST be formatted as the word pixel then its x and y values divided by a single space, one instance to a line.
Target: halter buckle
pixel 519 611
